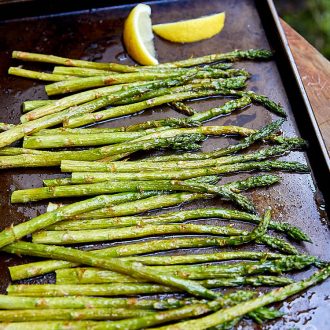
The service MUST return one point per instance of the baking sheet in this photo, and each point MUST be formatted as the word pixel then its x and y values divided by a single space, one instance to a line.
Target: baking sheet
pixel 97 35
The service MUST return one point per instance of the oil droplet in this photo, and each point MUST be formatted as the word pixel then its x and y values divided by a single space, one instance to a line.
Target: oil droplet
pixel 122 56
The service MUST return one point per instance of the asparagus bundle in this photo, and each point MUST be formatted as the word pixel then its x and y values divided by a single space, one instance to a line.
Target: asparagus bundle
pixel 43 267
pixel 136 269
pixel 252 54
pixel 144 187
pixel 175 217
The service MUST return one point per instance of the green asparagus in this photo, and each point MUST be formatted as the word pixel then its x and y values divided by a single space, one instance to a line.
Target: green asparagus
pixel 241 309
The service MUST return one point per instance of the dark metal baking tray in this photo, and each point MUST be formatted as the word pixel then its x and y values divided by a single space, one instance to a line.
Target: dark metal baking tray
pixel 93 30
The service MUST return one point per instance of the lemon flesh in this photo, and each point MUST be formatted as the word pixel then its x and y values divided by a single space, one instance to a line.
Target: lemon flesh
pixel 191 30
pixel 138 35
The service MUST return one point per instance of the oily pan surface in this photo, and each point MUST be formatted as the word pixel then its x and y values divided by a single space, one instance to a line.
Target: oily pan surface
pixel 96 35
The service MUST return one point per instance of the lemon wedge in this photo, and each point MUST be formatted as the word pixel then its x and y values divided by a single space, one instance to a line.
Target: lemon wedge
pixel 138 36
pixel 191 30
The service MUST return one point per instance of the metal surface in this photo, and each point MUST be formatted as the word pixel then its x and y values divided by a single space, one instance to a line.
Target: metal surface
pixel 96 35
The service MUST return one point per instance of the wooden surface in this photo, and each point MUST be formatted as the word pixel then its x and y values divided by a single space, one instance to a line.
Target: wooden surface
pixel 314 70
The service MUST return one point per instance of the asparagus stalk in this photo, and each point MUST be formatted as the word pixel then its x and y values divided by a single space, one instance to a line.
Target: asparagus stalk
pixel 5 126
pixel 219 277
pixel 35 194
pixel 14 233
pixel 201 258
pixel 11 151
pixel 146 168
pixel 241 309
pixel 23 303
pixel 74 85
pixel 225 109
pixel 183 108
pixel 85 72
pixel 80 140
pixel 67 181
pixel 33 104
pixel 57 182
pixel 35 57
pixel 147 204
pixel 105 290
pixel 167 122
pixel 31 315
pixel 120 289
pixel 99 235
pixel 16 71
pixel 251 54
pixel 99 177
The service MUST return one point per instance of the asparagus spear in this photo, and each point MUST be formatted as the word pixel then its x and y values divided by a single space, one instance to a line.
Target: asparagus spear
pixel 57 182
pixel 251 54
pixel 99 235
pixel 225 109
pixel 35 194
pixel 219 277
pixel 74 85
pixel 201 258
pixel 12 302
pixel 14 233
pixel 241 309
pixel 16 71
pixel 80 140
pixel 35 57
pixel 147 204
pixel 143 168
pixel 5 126
pixel 183 108
pixel 11 151
pixel 85 72
pixel 99 177
pixel 119 289
pixel 33 104
pixel 30 315
pixel 211 179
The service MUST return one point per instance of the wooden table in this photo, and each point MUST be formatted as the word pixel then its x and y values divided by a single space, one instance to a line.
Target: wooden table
pixel 314 70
